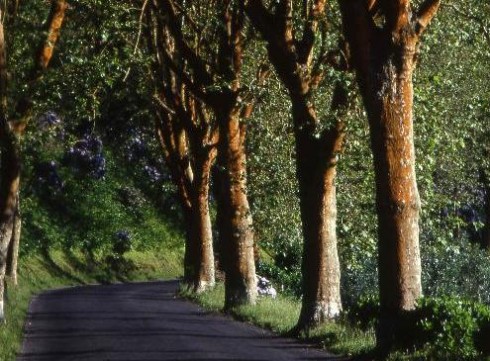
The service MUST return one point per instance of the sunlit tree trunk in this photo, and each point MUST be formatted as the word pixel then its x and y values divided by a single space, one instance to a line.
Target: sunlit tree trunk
pixel 385 61
pixel 237 229
pixel 210 70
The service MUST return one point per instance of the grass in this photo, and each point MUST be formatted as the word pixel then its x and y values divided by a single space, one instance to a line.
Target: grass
pixel 59 269
pixel 280 315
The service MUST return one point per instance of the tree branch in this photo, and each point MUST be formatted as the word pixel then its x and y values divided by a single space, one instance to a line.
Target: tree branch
pixel 197 65
pixel 426 13
pixel 305 46
pixel 261 17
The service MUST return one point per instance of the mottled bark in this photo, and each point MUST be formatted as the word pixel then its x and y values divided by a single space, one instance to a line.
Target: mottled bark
pixel 385 61
pixel 397 198
pixel 237 229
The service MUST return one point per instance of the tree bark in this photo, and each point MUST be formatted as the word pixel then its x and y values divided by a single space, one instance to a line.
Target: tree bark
pixel 9 173
pixel 316 171
pixel 397 197
pixel 192 181
pixel 205 274
pixel 237 231
pixel 13 252
pixel 54 24
pixel 316 157
pixel 385 61
pixel 9 187
pixel 486 228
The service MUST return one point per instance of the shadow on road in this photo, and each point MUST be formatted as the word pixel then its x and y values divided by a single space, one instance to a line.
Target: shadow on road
pixel 144 322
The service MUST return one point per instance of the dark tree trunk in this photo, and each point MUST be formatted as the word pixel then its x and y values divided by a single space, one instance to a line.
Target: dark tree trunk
pixel 316 161
pixel 190 266
pixel 9 187
pixel 192 181
pixel 237 231
pixel 484 179
pixel 9 174
pixel 218 191
pixel 486 230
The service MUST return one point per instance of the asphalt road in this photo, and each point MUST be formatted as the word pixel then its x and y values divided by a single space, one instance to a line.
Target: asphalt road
pixel 144 321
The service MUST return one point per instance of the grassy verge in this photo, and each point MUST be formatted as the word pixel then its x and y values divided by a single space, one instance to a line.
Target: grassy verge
pixel 59 269
pixel 280 315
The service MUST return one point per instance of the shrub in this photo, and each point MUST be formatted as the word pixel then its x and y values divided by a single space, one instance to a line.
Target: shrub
pixel 445 328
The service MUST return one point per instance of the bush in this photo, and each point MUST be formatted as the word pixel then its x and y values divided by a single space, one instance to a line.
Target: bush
pixel 445 328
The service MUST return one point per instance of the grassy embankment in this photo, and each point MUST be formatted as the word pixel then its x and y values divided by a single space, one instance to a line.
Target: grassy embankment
pixel 280 315
pixel 38 273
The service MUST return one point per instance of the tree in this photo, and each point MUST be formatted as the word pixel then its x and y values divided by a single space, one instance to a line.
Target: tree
pixel 212 74
pixel 384 36
pixel 300 70
pixel 11 132
pixel 188 138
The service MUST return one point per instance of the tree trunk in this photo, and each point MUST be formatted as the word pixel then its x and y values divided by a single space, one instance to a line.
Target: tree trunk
pixel 9 173
pixel 190 268
pixel 385 61
pixel 389 103
pixel 486 229
pixel 13 252
pixel 316 161
pixel 240 281
pixel 205 275
pixel 9 187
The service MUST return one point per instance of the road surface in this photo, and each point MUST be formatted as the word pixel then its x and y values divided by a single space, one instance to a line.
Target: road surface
pixel 144 322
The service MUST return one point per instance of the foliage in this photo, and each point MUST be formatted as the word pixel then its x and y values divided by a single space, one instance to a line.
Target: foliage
pixel 445 328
